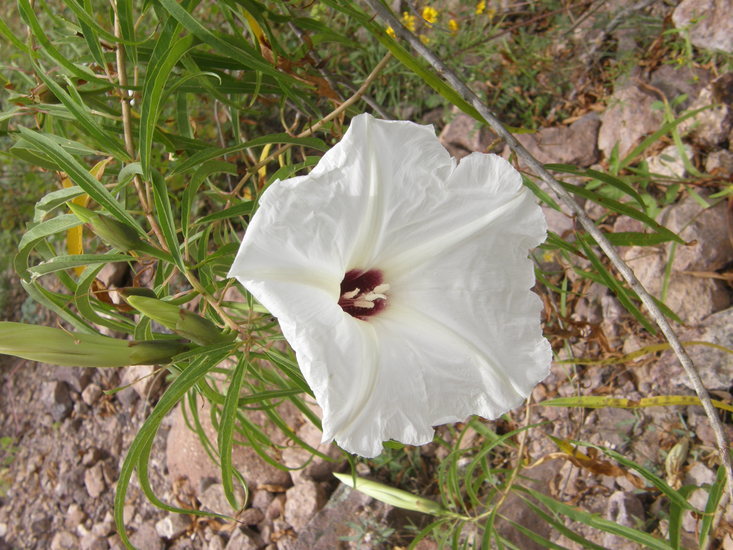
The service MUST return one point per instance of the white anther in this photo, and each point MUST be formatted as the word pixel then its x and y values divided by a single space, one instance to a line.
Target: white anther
pixel 351 294
pixel 381 289
pixel 366 304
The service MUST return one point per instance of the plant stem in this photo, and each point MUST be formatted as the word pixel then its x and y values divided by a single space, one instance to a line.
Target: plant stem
pixel 496 125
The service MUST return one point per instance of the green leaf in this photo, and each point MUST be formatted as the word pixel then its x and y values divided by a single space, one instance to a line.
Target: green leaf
pixel 164 214
pixel 60 263
pixel 226 430
pixel 168 50
pixel 80 176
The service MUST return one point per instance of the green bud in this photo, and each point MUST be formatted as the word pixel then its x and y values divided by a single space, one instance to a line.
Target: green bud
pixel 59 347
pixel 179 320
pixel 390 495
pixel 111 231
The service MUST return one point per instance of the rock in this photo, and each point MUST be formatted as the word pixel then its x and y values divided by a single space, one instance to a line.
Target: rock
pixel 302 502
pixel 628 118
pixel 709 22
pixel 187 459
pixel 216 543
pixel 715 366
pixel 698 474
pixel 711 126
pixel 464 135
pixel 625 509
pixel 669 162
pixel 611 427
pixel 698 499
pixel 94 480
pixel 63 540
pixel 675 81
pixel 90 394
pixel 76 377
pixel 720 163
pixel 574 144
pixel 57 400
pixel 709 249
pixel 90 541
pixel 328 528
pixel 146 537
pixel 244 540
pixel 214 500
pixel 143 379
pixel 515 509
pixel 74 516
pixel 173 525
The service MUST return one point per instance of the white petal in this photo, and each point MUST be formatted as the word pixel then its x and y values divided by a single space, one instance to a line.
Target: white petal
pixel 460 333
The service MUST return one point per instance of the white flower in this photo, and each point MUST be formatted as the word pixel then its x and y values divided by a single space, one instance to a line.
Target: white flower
pixel 402 281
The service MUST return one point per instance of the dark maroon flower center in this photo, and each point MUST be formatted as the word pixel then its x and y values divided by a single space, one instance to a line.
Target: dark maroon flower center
pixel 363 293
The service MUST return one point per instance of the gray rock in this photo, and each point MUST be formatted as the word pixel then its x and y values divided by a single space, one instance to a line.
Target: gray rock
pixel 574 144
pixel 216 543
pixel 242 539
pixel 711 126
pixel 720 163
pixel 302 502
pixel 74 516
pixel 214 500
pixel 709 22
pixel 628 118
pixel 698 499
pixel 172 526
pixel 147 538
pixel 90 541
pixel 187 458
pixel 94 480
pixel 627 510
pixel 716 367
pixel 708 249
pixel 669 162
pixel 675 81
pixel 330 525
pixel 76 377
pixel 64 540
pixel 464 135
pixel 699 474
pixel 57 399
pixel 90 394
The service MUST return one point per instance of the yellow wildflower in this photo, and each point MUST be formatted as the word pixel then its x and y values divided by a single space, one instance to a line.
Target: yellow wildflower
pixel 453 25
pixel 390 32
pixel 430 14
pixel 408 20
pixel 480 7
pixel 490 13
pixel 424 39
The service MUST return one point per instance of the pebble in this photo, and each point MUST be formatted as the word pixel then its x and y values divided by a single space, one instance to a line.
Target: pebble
pixel 94 480
pixel 64 540
pixel 172 526
pixel 90 394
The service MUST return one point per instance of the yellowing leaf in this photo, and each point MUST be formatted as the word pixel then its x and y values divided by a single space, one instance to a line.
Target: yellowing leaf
pixel 74 236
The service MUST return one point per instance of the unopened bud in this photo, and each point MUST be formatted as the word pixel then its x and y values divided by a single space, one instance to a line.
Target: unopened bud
pixel 390 495
pixel 179 320
pixel 59 347
pixel 111 231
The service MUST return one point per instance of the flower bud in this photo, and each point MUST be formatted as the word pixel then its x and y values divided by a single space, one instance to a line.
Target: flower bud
pixel 111 231
pixel 181 321
pixel 59 347
pixel 390 495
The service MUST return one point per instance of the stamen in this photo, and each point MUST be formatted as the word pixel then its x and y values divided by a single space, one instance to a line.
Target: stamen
pixel 363 293
pixel 350 295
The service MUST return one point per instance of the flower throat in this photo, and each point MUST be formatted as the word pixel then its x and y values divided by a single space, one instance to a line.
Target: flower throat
pixel 363 294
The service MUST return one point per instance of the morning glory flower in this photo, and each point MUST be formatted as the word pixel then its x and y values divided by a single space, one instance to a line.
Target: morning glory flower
pixel 401 279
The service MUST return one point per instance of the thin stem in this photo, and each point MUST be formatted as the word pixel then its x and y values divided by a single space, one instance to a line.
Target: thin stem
pixel 315 127
pixel 127 131
pixel 496 125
